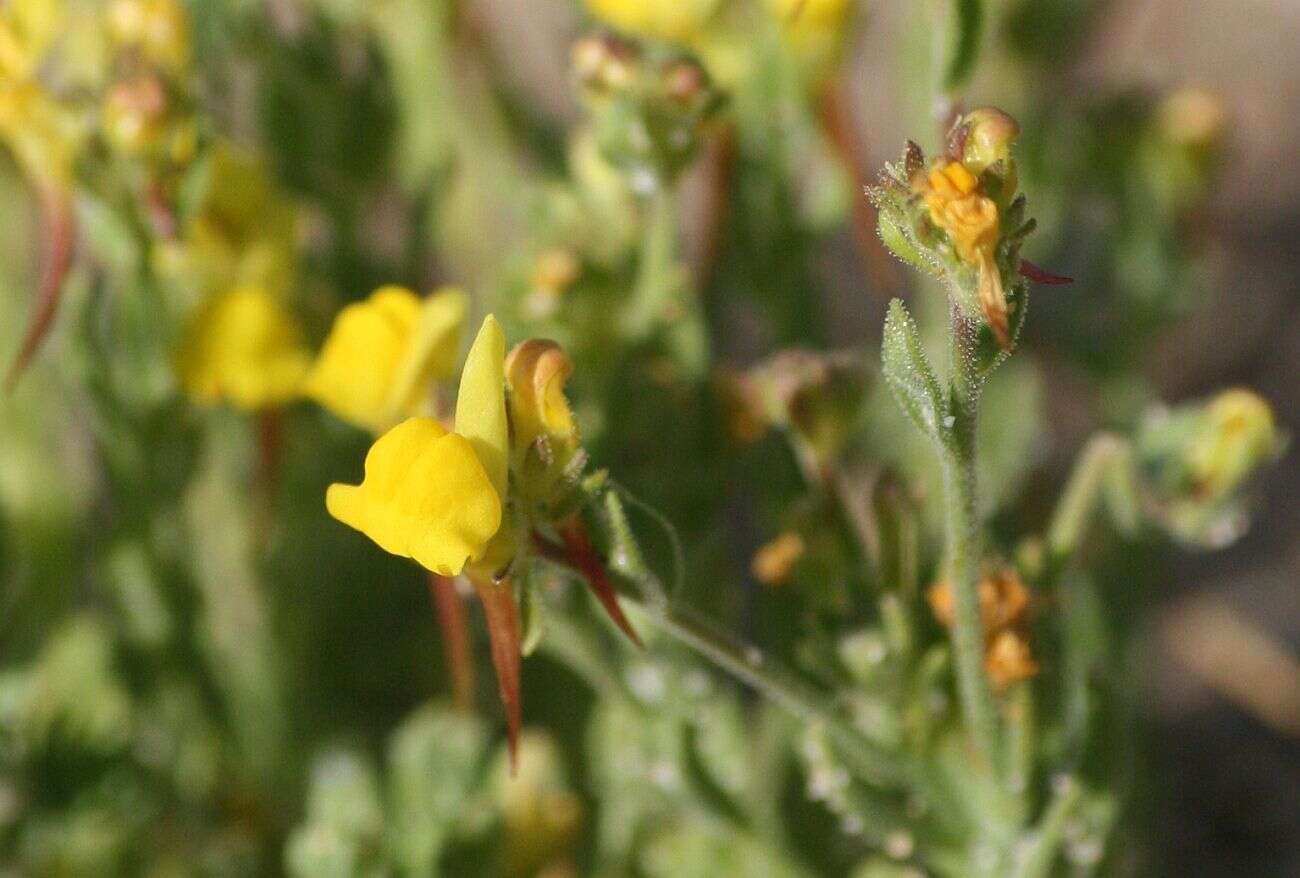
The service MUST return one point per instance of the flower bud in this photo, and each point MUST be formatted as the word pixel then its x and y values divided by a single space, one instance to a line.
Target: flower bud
pixel 1008 660
pixel 157 29
pixel 605 61
pixel 544 434
pixel 987 138
pixel 1194 460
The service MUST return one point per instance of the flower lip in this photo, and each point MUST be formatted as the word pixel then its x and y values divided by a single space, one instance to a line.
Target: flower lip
pixel 425 495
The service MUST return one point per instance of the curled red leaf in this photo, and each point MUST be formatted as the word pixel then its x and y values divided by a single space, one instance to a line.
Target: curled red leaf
pixel 582 556
pixel 58 232
pixel 1041 275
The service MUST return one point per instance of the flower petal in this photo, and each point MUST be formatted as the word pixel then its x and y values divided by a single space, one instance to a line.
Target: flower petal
pixel 481 403
pixel 425 496
pixel 354 375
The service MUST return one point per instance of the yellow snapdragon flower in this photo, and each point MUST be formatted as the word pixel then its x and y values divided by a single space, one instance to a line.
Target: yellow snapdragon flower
pixel 971 220
pixel 676 20
pixel 381 355
pixel 244 348
pixel 437 496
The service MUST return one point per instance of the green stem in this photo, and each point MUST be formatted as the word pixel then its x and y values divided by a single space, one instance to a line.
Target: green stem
pixel 964 549
pixel 965 544
pixel 1074 511
pixel 1046 842
pixel 655 283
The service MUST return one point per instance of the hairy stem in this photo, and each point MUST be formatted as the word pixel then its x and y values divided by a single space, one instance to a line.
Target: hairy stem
pixel 965 542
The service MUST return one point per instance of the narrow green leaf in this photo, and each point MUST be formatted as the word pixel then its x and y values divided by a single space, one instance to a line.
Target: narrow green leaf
pixel 966 22
pixel 909 376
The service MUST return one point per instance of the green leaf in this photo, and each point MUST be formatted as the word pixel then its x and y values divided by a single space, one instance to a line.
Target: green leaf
pixel 910 378
pixel 966 25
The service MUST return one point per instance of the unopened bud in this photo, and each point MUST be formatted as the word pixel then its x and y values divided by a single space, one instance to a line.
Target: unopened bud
pixel 989 136
pixel 1193 117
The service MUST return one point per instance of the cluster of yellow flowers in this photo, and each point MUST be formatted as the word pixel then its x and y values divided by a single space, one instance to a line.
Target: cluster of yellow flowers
pixel 69 70
pixel 459 497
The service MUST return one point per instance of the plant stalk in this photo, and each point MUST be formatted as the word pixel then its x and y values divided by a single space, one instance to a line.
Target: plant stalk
pixel 965 546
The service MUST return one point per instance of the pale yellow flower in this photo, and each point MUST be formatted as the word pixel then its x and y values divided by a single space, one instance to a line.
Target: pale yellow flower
pixel 1238 434
pixel 243 348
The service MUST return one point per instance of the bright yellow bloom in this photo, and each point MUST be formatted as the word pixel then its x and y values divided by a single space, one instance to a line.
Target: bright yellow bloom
pixel 435 496
pixel 970 218
pixel 243 348
pixel 678 20
pixel 381 355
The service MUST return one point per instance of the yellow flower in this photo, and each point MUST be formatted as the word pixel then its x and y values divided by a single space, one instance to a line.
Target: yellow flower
pixel 244 231
pixel 545 432
pixel 243 348
pixel 435 496
pixel 971 220
pixel 678 20
pixel 381 355
pixel 1238 435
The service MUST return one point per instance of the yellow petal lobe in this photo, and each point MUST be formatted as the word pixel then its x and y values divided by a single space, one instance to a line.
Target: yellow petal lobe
pixel 425 496
pixel 481 402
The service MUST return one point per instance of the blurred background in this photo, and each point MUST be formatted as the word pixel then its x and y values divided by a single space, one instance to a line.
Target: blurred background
pixel 1159 147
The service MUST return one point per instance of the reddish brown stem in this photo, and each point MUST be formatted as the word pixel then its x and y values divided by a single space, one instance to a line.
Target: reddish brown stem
pixel 455 639
pixel 506 639
pixel 270 439
pixel 582 556
pixel 58 226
